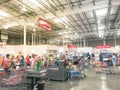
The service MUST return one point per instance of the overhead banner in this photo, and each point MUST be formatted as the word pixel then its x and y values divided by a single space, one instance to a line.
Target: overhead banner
pixel 103 46
pixel 44 24
pixel 72 48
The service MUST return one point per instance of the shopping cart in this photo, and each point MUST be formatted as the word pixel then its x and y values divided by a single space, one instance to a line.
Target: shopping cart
pixel 79 72
pixel 98 66
pixel 107 68
pixel 13 81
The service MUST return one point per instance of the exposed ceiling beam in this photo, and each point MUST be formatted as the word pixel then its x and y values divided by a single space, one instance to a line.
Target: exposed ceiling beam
pixel 58 6
pixel 75 28
pixel 95 17
pixel 79 17
pixel 117 17
pixel 70 4
pixel 108 15
pixel 84 14
pixel 94 2
pixel 84 8
pixel 79 3
pixel 76 22
pixel 61 5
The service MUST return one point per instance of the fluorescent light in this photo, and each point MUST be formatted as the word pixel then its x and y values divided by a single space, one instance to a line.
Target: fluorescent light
pixel 66 36
pixel 63 19
pixel 31 24
pixel 57 20
pixel 34 29
pixel 60 33
pixel 5 27
pixel 99 22
pixel 101 12
pixel 52 2
pixel 66 26
pixel 101 27
pixel 3 13
pixel 23 9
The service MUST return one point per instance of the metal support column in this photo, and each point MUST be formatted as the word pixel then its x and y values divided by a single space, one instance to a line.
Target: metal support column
pixel 84 42
pixel 24 40
pixel 104 42
pixel 115 41
pixel 32 38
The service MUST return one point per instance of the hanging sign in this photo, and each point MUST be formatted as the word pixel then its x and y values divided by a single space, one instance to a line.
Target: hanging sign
pixel 72 48
pixel 44 24
pixel 103 46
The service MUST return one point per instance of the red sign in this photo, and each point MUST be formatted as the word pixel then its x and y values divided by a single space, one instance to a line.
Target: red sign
pixel 72 48
pixel 103 46
pixel 44 24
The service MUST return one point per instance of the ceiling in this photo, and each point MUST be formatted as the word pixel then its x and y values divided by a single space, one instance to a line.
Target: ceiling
pixel 71 19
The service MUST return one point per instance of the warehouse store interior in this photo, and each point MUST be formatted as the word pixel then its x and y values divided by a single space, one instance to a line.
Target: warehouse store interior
pixel 59 44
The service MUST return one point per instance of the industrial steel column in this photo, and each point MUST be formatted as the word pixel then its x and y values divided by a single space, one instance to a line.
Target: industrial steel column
pixel 81 42
pixel 115 41
pixel 84 42
pixel 104 42
pixel 24 40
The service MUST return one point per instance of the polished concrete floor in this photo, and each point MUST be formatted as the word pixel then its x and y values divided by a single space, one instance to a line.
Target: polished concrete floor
pixel 93 81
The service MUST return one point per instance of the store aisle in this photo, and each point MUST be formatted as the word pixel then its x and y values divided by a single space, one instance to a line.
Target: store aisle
pixel 92 82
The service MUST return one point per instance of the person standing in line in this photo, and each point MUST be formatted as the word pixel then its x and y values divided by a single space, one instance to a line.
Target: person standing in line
pixel 28 60
pixel 34 59
pixel 114 60
pixel 6 64
pixel 12 65
pixel 22 62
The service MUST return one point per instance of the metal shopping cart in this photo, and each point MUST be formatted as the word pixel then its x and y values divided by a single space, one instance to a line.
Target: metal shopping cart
pixel 107 68
pixel 77 71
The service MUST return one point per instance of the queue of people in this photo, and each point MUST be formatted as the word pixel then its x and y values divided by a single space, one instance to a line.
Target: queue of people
pixel 11 62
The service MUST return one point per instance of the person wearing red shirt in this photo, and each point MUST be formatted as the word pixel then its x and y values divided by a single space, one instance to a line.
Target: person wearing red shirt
pixel 6 63
pixel 28 60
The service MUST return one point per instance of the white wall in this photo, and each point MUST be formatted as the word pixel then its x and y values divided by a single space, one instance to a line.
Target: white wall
pixel 37 49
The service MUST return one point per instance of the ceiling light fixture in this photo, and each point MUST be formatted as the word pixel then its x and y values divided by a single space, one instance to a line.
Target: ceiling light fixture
pixel 60 33
pixel 5 27
pixel 101 12
pixel 66 26
pixel 34 29
pixel 66 36
pixel 23 9
pixel 52 2
pixel 4 14
pixel 101 27
pixel 99 21
pixel 57 20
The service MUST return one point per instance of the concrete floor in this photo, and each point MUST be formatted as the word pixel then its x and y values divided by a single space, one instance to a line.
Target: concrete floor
pixel 93 81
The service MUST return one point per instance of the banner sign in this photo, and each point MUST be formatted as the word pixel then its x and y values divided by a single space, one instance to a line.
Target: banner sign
pixel 44 24
pixel 72 48
pixel 103 46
